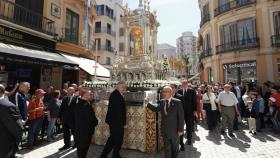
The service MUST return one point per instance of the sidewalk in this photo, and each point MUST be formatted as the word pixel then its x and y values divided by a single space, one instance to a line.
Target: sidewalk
pixel 206 145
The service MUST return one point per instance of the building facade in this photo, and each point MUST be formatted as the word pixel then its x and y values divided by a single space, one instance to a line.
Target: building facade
pixel 187 47
pixel 44 41
pixel 107 33
pixel 239 40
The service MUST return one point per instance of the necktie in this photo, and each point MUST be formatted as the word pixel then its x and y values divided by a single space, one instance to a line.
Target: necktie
pixel 185 93
pixel 167 105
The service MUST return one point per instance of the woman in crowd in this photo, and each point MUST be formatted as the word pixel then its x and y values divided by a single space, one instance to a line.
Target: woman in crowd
pixel 53 110
pixel 210 106
pixel 35 117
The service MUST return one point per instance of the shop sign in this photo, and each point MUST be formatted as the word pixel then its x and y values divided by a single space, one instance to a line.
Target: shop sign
pixel 240 65
pixel 17 37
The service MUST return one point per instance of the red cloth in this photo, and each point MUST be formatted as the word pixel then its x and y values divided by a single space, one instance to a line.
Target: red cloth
pixel 198 108
pixel 277 97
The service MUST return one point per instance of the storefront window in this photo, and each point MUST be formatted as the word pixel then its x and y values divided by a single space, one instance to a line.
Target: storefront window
pixel 241 71
pixel 278 64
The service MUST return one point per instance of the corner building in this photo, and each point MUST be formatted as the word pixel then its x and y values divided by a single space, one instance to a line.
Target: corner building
pixel 239 40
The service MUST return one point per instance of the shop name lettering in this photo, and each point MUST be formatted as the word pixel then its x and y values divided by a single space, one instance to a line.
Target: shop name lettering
pixel 10 33
pixel 242 65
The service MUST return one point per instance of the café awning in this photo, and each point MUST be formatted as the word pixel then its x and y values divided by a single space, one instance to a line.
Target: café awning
pixel 88 65
pixel 20 54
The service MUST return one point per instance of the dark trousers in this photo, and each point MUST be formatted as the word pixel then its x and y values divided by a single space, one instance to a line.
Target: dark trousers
pixel 171 146
pixel 114 142
pixel 67 130
pixel 189 120
pixel 82 151
pixel 212 118
pixel 260 121
pixel 44 127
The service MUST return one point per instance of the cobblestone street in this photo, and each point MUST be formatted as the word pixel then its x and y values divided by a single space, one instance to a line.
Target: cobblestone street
pixel 264 145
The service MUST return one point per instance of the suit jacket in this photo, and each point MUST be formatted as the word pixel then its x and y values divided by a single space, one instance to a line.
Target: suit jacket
pixel 189 100
pixel 66 111
pixel 85 122
pixel 173 122
pixel 116 114
pixel 10 128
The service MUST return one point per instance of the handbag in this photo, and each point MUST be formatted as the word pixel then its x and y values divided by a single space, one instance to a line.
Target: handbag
pixel 207 106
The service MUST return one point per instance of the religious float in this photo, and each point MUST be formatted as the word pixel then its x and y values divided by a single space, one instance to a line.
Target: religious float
pixel 144 75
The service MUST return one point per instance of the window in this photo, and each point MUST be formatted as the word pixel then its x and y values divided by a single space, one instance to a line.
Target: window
pixel 100 10
pixel 109 29
pixel 108 45
pixel 243 31
pixel 72 27
pixel 207 43
pixel 121 32
pixel 121 47
pixel 108 61
pixel 276 19
pixel 97 27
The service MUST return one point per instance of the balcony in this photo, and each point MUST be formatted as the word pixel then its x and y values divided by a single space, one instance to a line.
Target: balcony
pixel 105 30
pixel 22 16
pixel 275 39
pixel 238 45
pixel 204 19
pixel 233 5
pixel 205 53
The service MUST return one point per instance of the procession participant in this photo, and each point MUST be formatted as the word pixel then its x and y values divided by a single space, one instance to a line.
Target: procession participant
pixel 65 116
pixel 189 105
pixel 116 119
pixel 85 123
pixel 172 123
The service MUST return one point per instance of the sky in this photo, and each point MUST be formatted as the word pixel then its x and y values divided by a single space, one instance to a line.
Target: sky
pixel 175 17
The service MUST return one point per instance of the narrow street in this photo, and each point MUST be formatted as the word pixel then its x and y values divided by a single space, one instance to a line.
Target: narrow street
pixel 206 145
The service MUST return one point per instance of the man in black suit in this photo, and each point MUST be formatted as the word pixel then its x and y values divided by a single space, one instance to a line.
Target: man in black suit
pixel 172 122
pixel 116 119
pixel 85 123
pixel 189 105
pixel 10 126
pixel 66 116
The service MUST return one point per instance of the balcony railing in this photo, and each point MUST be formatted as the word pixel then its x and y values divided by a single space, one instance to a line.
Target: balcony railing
pixel 275 40
pixel 205 19
pixel 105 48
pixel 238 45
pixel 233 5
pixel 101 13
pixel 105 30
pixel 22 16
pixel 205 53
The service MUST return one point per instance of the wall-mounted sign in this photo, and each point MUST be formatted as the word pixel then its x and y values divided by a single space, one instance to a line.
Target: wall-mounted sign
pixel 55 10
pixel 240 65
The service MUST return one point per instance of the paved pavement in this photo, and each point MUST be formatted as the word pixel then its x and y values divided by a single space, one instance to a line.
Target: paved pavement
pixel 206 145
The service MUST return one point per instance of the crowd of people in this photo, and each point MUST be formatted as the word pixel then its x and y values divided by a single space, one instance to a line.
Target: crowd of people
pixel 222 106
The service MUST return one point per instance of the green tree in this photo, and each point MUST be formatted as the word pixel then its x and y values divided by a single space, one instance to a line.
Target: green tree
pixel 187 64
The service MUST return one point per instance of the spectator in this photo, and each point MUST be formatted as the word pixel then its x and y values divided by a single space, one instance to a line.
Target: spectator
pixel 251 116
pixel 36 115
pixel 260 121
pixel 53 110
pixel 210 106
pixel 198 102
pixel 12 92
pixel 10 126
pixel 63 92
pixel 20 99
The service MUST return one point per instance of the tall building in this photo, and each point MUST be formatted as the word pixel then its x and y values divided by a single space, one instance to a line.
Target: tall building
pixel 167 50
pixel 239 40
pixel 186 47
pixel 108 34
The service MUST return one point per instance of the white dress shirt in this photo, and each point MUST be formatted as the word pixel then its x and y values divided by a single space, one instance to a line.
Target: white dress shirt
pixel 212 99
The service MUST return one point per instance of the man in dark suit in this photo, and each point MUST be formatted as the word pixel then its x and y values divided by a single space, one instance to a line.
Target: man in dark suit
pixel 10 126
pixel 172 123
pixel 116 119
pixel 85 123
pixel 189 105
pixel 66 117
